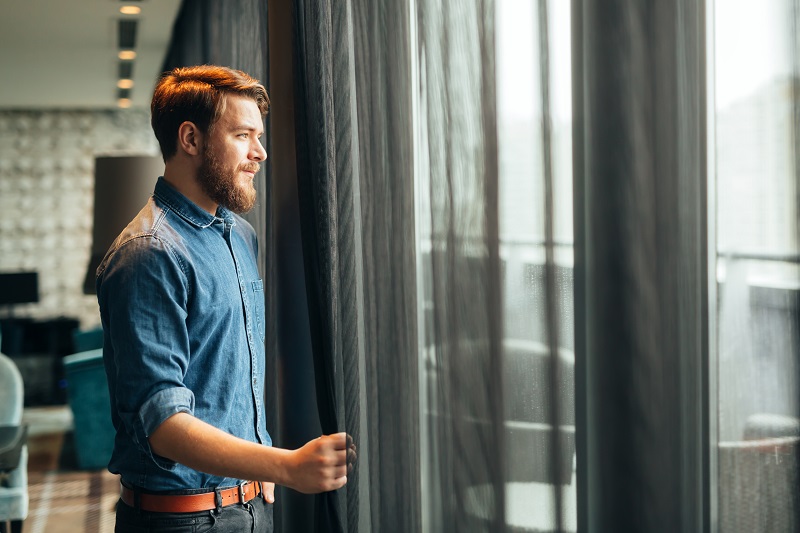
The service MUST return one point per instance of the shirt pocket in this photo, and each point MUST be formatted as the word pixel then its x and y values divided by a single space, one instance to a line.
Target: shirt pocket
pixel 258 305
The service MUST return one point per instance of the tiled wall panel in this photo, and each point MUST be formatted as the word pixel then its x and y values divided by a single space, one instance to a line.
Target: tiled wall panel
pixel 47 195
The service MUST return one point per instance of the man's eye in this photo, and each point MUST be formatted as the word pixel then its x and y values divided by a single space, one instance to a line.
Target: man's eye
pixel 243 135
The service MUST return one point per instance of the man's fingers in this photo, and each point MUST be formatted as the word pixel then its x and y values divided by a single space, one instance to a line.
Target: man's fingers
pixel 339 440
pixel 341 458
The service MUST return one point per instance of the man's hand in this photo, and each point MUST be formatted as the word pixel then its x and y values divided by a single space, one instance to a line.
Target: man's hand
pixel 320 465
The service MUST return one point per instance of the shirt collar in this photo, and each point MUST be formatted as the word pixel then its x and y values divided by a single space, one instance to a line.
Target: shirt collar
pixel 187 209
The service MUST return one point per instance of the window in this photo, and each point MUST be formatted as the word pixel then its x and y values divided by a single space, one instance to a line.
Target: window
pixel 758 279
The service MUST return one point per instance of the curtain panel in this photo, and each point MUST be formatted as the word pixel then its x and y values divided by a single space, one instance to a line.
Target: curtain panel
pixel 362 234
pixel 397 187
pixel 456 390
pixel 641 264
pixel 356 199
pixel 459 242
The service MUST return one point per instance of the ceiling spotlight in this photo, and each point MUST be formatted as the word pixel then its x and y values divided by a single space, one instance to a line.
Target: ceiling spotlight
pixel 130 10
pixel 124 102
pixel 127 55
pixel 125 84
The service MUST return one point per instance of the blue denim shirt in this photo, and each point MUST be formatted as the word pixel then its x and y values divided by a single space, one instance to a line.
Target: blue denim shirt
pixel 182 307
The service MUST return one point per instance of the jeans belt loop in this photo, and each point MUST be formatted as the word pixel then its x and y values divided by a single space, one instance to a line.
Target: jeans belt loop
pixel 218 501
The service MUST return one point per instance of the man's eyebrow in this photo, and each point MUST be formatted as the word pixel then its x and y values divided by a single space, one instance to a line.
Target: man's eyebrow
pixel 249 126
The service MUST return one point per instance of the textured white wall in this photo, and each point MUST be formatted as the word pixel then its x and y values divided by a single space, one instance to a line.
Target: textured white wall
pixel 47 195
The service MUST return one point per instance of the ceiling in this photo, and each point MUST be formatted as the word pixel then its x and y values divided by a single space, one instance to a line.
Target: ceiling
pixel 63 54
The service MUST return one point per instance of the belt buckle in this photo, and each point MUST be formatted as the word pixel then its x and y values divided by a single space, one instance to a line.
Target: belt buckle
pixel 240 488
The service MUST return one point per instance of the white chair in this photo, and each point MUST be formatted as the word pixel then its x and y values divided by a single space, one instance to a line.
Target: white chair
pixel 13 485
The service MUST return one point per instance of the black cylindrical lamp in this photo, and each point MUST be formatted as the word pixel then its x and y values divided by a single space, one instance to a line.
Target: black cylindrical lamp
pixel 122 185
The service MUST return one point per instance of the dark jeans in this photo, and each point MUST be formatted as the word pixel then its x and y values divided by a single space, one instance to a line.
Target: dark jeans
pixel 254 516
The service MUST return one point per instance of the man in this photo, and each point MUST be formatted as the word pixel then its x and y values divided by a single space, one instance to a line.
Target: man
pixel 182 307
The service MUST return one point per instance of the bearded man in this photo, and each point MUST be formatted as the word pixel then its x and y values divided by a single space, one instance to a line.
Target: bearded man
pixel 182 307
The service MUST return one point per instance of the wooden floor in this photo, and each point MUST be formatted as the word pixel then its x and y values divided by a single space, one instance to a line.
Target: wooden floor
pixel 64 498
pixel 69 502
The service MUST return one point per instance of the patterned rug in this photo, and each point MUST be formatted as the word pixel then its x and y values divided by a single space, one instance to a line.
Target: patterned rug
pixel 64 498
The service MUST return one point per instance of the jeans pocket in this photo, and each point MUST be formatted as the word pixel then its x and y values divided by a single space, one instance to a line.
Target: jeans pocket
pixel 207 525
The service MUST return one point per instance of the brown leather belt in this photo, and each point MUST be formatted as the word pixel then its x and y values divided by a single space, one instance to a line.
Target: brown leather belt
pixel 191 503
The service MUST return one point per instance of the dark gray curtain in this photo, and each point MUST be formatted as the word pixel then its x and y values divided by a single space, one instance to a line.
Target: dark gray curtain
pixel 356 199
pixel 641 264
pixel 395 115
pixel 354 61
pixel 381 58
pixel 323 164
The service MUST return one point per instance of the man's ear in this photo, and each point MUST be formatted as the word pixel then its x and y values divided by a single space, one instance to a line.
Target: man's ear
pixel 189 138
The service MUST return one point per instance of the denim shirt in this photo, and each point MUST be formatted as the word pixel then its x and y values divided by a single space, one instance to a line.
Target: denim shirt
pixel 182 307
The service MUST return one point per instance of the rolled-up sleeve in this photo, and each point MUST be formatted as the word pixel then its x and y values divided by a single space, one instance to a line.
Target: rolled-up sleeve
pixel 143 293
pixel 156 410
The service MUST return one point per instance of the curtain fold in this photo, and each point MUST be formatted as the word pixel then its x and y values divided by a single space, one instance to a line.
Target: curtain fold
pixel 354 167
pixel 551 307
pixel 383 112
pixel 376 163
pixel 317 158
pixel 642 235
pixel 460 247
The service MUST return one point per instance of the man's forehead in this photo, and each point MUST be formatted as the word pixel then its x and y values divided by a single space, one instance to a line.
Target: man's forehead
pixel 237 111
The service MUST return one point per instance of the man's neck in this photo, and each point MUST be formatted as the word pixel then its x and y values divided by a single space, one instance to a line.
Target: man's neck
pixel 185 181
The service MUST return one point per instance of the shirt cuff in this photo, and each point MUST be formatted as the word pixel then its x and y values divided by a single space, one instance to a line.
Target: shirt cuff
pixel 156 410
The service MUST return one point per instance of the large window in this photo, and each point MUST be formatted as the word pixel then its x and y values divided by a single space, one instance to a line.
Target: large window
pixel 758 279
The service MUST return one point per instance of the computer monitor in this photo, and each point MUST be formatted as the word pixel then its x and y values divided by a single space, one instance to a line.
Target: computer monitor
pixel 19 288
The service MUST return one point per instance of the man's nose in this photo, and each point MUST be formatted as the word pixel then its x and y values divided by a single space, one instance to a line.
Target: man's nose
pixel 258 153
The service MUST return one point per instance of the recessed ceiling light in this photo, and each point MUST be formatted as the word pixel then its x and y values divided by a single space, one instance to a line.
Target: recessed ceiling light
pixel 125 84
pixel 124 102
pixel 130 10
pixel 127 55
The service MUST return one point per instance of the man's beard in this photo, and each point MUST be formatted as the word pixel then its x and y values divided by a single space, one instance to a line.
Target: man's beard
pixel 222 185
